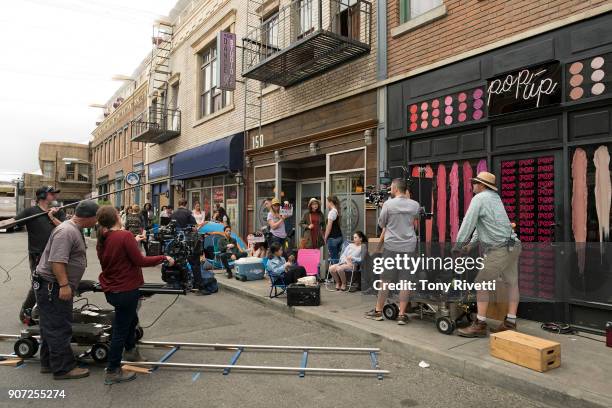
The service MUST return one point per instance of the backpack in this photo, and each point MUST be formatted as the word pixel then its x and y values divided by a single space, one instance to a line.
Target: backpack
pixel 209 283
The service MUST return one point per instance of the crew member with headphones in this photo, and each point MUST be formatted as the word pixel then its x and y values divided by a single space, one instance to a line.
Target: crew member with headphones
pixel 39 229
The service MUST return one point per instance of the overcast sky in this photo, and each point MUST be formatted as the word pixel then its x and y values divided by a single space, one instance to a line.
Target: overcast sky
pixel 58 56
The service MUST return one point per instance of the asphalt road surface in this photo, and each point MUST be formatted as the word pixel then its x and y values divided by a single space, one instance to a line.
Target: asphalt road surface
pixel 228 318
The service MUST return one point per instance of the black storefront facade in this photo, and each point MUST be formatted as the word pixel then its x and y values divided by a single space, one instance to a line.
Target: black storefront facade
pixel 528 112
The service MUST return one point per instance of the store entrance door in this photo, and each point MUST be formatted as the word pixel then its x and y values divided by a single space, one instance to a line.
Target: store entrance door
pixel 307 190
pixel 349 187
pixel 532 190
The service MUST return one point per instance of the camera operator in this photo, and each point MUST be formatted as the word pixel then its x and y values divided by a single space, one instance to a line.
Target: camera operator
pixel 121 279
pixel 183 216
pixel 57 277
pixel 229 250
pixel 39 229
pixel 397 219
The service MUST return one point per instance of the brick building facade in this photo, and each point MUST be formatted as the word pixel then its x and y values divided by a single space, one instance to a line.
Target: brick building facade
pixel 113 152
pixel 348 83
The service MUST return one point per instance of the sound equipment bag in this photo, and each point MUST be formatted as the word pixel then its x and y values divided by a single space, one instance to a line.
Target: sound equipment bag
pixel 302 295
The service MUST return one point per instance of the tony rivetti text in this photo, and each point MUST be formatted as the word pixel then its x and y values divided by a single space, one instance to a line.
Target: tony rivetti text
pixel 424 285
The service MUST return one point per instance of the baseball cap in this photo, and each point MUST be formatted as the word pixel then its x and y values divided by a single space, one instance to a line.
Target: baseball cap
pixel 86 209
pixel 46 190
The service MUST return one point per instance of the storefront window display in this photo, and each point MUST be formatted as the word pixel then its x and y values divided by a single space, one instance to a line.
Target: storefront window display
pixel 213 191
pixel 264 190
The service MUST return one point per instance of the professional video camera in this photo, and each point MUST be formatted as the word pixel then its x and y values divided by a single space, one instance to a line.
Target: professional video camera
pixel 180 244
pixel 377 197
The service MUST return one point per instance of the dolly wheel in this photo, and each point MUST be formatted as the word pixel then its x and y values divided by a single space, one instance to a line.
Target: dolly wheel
pixel 99 352
pixel 390 311
pixel 138 333
pixel 26 348
pixel 445 325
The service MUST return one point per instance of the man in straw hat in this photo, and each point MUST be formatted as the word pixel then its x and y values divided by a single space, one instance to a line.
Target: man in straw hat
pixel 487 224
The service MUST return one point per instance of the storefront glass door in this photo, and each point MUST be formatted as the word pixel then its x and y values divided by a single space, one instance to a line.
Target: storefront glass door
pixel 194 197
pixel 306 191
pixel 289 193
pixel 349 187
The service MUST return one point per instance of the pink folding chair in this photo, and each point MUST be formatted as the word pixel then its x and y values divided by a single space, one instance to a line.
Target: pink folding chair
pixel 309 259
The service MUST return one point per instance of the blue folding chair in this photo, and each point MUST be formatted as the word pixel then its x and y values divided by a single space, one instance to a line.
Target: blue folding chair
pixel 211 240
pixel 276 284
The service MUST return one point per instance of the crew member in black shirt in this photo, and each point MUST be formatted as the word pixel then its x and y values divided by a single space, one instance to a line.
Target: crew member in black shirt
pixel 183 216
pixel 39 229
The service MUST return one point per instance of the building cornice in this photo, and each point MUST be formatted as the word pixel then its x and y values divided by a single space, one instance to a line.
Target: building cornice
pixel 110 122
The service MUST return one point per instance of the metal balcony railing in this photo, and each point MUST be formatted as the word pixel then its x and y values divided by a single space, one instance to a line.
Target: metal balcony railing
pixel 157 126
pixel 306 38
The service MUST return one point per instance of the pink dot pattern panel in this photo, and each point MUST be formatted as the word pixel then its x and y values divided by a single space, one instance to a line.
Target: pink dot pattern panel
pixel 528 194
pixel 447 110
pixel 589 77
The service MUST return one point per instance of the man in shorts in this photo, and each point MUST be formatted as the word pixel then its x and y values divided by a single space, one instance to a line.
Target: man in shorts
pixel 486 218
pixel 397 219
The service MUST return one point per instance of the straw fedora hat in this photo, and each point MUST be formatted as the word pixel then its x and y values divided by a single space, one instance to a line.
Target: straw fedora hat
pixel 486 179
pixel 275 201
pixel 313 200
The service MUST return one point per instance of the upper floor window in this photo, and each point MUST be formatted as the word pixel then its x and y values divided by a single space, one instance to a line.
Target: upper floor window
pixel 212 99
pixel 269 34
pixel 69 171
pixel 305 17
pixel 83 172
pixel 410 9
pixel 48 169
pixel 348 18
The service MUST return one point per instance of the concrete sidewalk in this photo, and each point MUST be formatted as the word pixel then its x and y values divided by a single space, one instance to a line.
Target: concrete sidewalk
pixel 583 380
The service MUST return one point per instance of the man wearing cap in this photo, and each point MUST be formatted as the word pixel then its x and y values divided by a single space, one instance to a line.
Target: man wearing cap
pixel 39 229
pixel 487 224
pixel 58 274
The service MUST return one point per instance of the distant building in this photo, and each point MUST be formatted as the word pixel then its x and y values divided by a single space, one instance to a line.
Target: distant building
pixel 65 166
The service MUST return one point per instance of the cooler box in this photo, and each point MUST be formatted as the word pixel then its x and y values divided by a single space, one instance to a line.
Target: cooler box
pixel 302 295
pixel 248 269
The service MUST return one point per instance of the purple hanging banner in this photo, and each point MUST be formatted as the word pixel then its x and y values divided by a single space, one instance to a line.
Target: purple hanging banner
pixel 226 49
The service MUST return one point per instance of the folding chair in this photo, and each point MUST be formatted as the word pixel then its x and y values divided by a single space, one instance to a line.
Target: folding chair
pixel 277 283
pixel 310 259
pixel 357 269
pixel 212 240
pixel 329 281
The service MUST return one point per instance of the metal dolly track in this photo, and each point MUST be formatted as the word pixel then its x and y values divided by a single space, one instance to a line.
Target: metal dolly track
pixel 301 370
pixel 240 348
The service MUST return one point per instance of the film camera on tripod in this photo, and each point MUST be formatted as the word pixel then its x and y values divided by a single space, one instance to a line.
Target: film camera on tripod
pixel 180 244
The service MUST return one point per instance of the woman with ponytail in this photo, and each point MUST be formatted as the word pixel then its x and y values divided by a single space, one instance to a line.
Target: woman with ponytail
pixel 121 278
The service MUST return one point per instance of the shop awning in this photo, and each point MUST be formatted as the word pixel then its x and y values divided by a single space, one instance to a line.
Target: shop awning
pixel 221 156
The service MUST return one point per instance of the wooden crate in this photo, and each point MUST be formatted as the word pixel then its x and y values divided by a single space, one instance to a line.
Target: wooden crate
pixel 525 350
